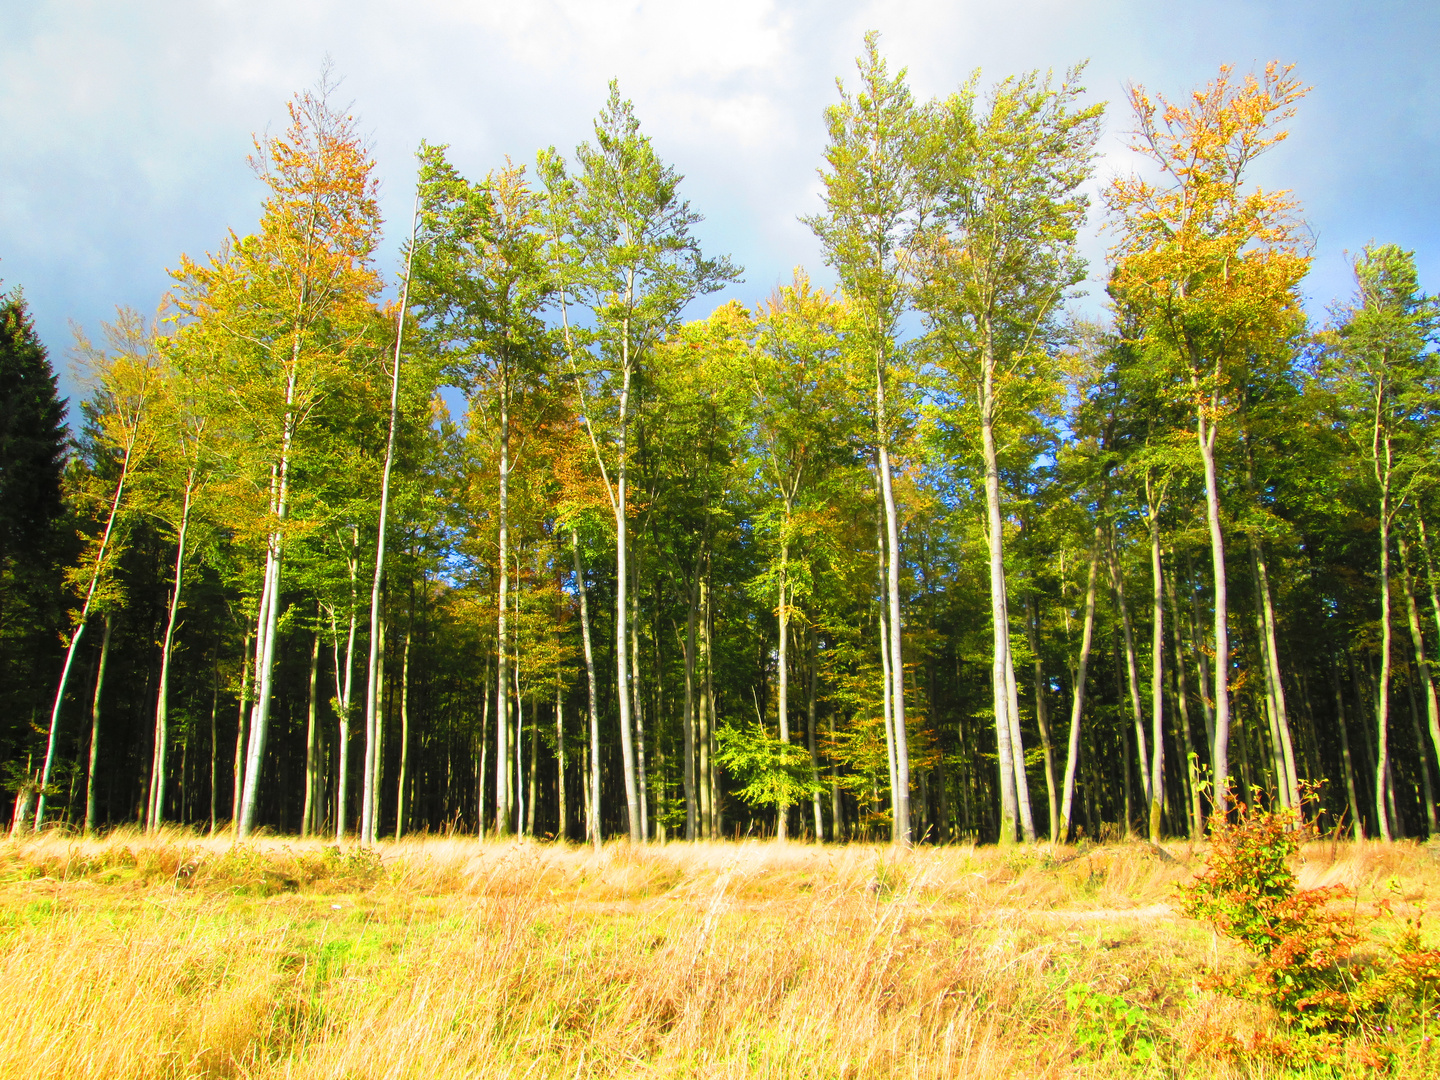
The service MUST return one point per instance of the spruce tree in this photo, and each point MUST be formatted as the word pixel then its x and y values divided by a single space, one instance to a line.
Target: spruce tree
pixel 32 459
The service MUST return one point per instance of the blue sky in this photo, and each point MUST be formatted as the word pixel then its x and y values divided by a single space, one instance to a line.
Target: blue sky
pixel 124 127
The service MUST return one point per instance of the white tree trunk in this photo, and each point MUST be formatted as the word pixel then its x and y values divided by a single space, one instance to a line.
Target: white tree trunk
pixel 1382 689
pixel 999 613
pixel 1132 676
pixel 1205 434
pixel 162 697
pixel 1157 673
pixel 592 806
pixel 70 649
pixel 270 608
pixel 404 778
pixel 370 802
pixel 91 806
pixel 308 814
pixel 1077 704
pixel 622 603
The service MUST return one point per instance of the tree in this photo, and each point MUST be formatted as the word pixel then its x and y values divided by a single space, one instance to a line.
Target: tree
pixel 871 200
pixel 624 245
pixel 185 463
pixel 995 262
pixel 800 404
pixel 482 286
pixel 368 825
pixel 127 381
pixel 1382 368
pixel 1210 267
pixel 32 462
pixel 295 305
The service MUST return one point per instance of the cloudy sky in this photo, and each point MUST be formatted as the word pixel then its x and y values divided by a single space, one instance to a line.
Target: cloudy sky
pixel 124 127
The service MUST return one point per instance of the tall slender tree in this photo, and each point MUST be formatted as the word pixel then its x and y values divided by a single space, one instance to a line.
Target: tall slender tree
pixel 295 305
pixel 624 245
pixel 996 261
pixel 1385 375
pixel 870 221
pixel 1210 267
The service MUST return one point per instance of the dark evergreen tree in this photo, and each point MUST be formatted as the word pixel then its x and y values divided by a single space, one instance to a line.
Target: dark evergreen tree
pixel 32 459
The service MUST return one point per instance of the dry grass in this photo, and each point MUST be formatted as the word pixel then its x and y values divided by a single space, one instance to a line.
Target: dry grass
pixel 183 956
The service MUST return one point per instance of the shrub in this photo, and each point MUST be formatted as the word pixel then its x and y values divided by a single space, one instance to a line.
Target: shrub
pixel 1304 946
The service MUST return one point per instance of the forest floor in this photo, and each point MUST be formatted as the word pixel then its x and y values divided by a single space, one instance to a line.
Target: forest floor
pixel 185 956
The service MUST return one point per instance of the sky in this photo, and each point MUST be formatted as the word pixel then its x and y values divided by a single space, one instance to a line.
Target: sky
pixel 125 127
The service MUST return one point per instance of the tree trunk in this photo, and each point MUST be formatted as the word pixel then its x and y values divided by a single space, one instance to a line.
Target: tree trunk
pixel 482 766
pixel 268 631
pixel 1182 699
pixel 1017 746
pixel 999 611
pixel 1042 718
pixel 886 684
pixel 637 712
pixel 502 675
pixel 900 798
pixel 74 643
pixel 1157 668
pixel 810 737
pixel 162 697
pixel 91 809
pixel 1422 766
pixel 562 828
pixel 343 688
pixel 1132 677
pixel 370 801
pixel 214 734
pixel 1205 430
pixel 530 781
pixel 1382 689
pixel 1422 665
pixel 312 762
pixel 519 733
pixel 709 781
pixel 782 817
pixel 237 779
pixel 692 809
pixel 592 822
pixel 1077 704
pixel 382 702
pixel 1270 643
pixel 402 783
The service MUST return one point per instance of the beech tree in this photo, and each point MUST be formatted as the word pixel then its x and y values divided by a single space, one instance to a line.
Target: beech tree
pixel 731 509
pixel 1383 372
pixel 295 303
pixel 996 262
pixel 870 220
pixel 127 381
pixel 1211 268
pixel 626 247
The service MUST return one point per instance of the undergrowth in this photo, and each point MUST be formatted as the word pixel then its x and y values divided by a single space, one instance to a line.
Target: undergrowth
pixel 1351 982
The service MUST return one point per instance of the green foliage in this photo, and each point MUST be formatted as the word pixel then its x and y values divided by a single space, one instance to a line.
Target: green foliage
pixel 1107 1023
pixel 32 434
pixel 772 773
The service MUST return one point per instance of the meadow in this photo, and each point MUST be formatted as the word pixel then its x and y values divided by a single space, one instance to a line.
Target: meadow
pixel 178 955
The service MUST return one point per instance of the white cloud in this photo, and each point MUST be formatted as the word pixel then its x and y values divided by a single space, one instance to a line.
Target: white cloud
pixel 126 126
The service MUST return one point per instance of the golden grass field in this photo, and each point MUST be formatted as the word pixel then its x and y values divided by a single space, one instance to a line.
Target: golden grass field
pixel 186 956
